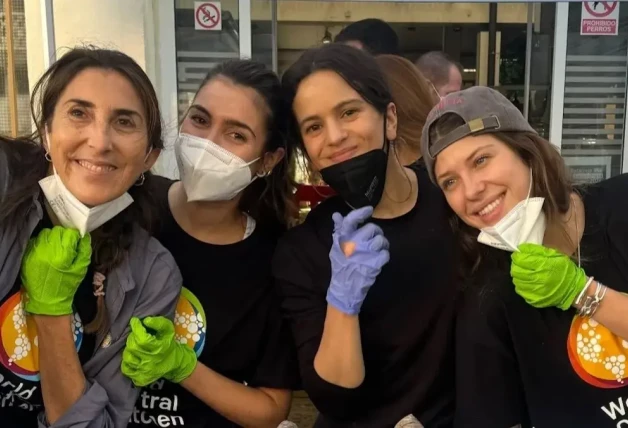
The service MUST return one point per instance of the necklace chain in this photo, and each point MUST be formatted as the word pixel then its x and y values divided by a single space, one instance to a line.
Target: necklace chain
pixel 575 213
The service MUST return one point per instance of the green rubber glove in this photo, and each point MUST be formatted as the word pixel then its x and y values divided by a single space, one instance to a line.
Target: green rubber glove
pixel 152 353
pixel 545 277
pixel 54 265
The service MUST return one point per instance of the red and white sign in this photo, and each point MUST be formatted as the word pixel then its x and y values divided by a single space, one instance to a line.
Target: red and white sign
pixel 599 18
pixel 207 15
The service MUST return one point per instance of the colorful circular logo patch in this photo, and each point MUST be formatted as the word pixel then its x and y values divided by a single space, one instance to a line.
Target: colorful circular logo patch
pixel 597 355
pixel 190 326
pixel 19 351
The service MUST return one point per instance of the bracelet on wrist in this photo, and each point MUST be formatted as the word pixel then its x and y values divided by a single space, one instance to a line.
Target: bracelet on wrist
pixel 592 303
pixel 584 290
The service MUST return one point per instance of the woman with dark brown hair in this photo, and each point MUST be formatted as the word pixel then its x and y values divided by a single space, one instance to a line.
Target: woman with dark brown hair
pixel 414 98
pixel 76 260
pixel 540 342
pixel 227 355
pixel 366 281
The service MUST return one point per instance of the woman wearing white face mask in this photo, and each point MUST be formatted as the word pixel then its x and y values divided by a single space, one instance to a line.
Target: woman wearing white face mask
pixel 75 263
pixel 227 360
pixel 541 335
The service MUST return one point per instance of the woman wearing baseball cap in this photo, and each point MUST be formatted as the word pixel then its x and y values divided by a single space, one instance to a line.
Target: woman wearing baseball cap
pixel 540 333
pixel 366 280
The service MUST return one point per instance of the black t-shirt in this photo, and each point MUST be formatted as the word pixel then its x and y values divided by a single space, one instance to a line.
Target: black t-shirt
pixel 229 313
pixel 20 393
pixel 547 368
pixel 406 321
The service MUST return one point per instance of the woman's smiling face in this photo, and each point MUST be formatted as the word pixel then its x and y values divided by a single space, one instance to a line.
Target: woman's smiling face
pixel 98 137
pixel 335 122
pixel 482 178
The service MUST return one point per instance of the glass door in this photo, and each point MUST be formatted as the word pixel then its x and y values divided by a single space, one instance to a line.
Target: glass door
pixel 590 121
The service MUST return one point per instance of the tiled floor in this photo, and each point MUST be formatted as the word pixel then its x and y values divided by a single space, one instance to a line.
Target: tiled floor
pixel 303 412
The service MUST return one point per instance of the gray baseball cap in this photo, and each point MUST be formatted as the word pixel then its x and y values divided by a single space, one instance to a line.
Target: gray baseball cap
pixel 484 110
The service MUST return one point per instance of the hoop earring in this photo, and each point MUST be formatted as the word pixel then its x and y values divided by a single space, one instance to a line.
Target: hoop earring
pixel 140 181
pixel 264 174
pixel 47 157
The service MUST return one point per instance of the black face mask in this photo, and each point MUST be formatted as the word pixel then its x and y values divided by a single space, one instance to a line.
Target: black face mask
pixel 359 180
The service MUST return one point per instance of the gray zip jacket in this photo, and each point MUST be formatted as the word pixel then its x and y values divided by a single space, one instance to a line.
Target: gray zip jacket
pixel 147 282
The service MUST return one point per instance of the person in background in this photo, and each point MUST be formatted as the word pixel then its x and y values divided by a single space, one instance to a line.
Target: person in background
pixel 413 98
pixel 542 330
pixel 372 35
pixel 76 260
pixel 442 71
pixel 228 358
pixel 366 281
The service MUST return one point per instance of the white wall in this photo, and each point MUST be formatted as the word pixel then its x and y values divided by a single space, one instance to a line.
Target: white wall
pixel 143 29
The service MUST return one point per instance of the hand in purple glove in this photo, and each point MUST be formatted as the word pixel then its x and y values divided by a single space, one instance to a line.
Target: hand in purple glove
pixel 357 256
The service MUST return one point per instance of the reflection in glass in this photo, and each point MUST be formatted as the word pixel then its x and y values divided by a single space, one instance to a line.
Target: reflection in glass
pixel 595 99
pixel 198 51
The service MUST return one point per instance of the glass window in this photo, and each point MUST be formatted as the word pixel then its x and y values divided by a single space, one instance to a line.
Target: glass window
pixel 198 51
pixel 595 99
pixel 541 63
pixel 262 35
pixel 20 71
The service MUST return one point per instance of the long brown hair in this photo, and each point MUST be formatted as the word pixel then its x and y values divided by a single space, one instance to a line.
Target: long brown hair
pixel 551 180
pixel 413 97
pixel 27 163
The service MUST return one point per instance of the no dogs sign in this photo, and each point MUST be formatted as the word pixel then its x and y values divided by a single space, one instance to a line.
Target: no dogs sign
pixel 599 18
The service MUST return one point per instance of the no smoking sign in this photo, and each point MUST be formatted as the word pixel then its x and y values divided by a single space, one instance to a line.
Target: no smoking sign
pixel 600 18
pixel 207 15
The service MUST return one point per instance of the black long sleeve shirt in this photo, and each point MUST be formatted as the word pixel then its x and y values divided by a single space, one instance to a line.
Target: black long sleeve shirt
pixel 517 364
pixel 406 320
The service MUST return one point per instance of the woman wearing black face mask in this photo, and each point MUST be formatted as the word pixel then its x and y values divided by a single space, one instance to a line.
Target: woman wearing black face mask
pixel 367 280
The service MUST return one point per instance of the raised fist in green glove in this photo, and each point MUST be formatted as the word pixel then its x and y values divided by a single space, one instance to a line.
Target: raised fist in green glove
pixel 152 353
pixel 545 277
pixel 54 265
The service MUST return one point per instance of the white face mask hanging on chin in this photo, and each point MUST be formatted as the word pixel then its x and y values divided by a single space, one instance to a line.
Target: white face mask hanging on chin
pixel 209 172
pixel 72 213
pixel 525 223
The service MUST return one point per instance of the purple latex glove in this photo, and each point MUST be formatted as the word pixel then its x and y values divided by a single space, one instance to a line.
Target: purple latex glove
pixel 353 273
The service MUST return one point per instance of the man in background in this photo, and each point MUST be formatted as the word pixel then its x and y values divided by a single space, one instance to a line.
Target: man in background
pixel 442 71
pixel 372 35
